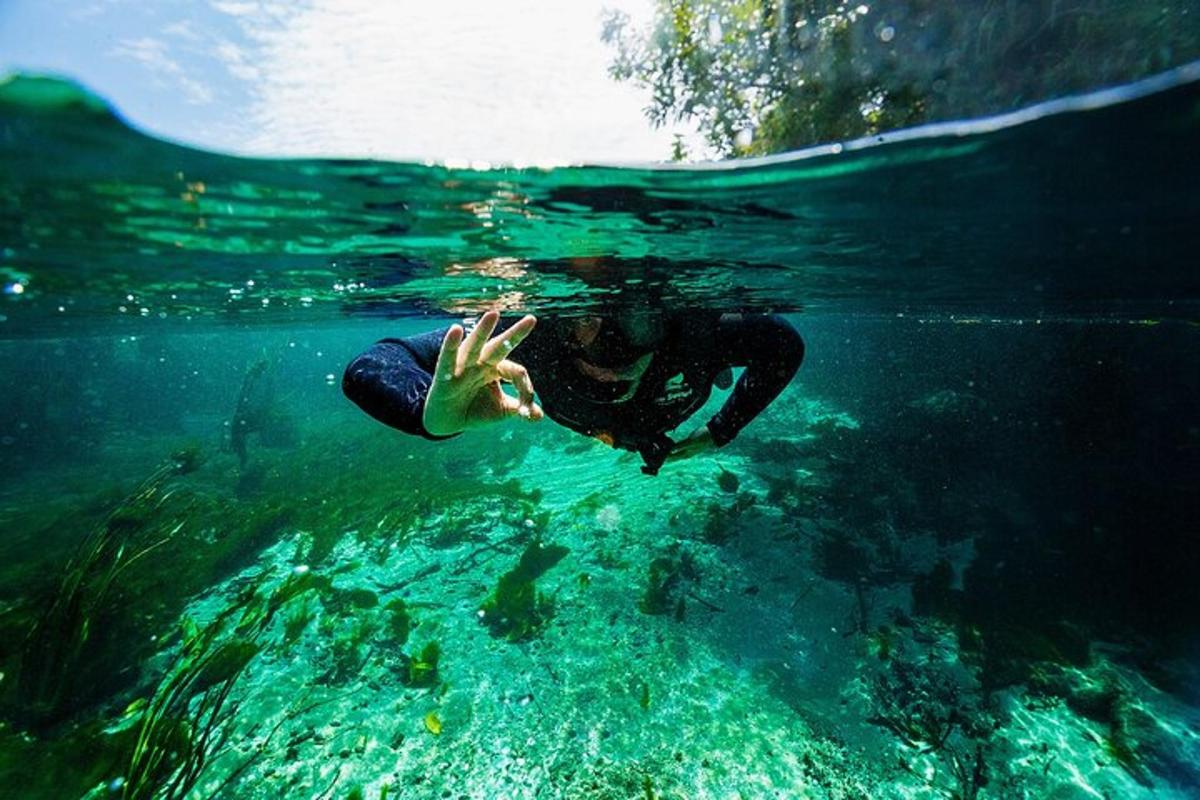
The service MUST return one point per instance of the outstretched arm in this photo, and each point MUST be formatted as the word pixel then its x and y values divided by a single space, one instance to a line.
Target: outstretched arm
pixel 391 380
pixel 438 384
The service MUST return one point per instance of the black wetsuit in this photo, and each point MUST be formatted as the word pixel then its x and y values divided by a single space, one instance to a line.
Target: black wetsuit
pixel 391 380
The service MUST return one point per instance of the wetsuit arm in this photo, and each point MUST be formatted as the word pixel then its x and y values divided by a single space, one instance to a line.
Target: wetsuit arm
pixel 771 351
pixel 391 380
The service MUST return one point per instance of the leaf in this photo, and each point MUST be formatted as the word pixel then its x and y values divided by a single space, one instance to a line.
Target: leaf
pixel 226 663
pixel 539 558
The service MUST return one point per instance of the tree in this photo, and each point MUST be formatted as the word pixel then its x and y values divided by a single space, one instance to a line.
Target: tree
pixel 760 76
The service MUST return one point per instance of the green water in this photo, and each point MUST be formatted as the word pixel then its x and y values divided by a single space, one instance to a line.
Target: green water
pixel 955 558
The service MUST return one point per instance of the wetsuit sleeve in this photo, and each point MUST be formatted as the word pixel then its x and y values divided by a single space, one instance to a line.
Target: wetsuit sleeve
pixel 771 351
pixel 391 380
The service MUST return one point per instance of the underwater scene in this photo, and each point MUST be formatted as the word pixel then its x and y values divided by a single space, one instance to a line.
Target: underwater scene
pixel 952 553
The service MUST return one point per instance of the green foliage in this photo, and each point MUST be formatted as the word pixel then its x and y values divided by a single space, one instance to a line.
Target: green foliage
pixel 399 621
pixel 537 559
pixel 661 579
pixel 295 623
pixel 882 641
pixel 117 569
pixel 59 647
pixel 720 526
pixel 185 721
pixel 361 598
pixel 422 670
pixel 923 701
pixel 760 76
pixel 515 609
pixel 664 583
pixel 346 652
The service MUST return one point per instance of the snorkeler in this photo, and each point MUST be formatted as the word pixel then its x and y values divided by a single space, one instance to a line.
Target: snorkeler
pixel 625 378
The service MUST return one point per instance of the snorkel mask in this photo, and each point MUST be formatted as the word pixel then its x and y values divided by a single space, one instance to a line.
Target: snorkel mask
pixel 611 353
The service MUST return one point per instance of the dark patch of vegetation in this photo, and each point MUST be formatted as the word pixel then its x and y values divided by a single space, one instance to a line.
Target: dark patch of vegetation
pixel 295 623
pixel 721 522
pixel 399 622
pixel 933 594
pixel 60 648
pixel 515 609
pixel 666 579
pixel 347 655
pixel 922 701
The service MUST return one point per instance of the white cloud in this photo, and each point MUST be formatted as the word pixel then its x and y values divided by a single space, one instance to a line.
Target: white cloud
pixel 182 29
pixel 151 53
pixel 506 80
pixel 236 61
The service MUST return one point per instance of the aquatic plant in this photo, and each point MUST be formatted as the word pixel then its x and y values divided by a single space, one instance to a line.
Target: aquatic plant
pixel 422 670
pixel 923 703
pixel 662 576
pixel 347 657
pixel 515 609
pixel 665 576
pixel 970 773
pixel 187 719
pixel 967 767
pixel 881 642
pixel 295 623
pixel 55 649
pixel 399 622
pixel 727 481
pixel 359 597
pixel 721 523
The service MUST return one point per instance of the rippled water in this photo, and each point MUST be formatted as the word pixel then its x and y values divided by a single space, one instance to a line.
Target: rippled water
pixel 1080 210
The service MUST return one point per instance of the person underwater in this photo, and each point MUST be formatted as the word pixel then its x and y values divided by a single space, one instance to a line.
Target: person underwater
pixel 626 378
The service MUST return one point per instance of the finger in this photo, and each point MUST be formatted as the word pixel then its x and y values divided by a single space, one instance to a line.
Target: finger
pixel 513 407
pixel 448 355
pixel 498 348
pixel 472 346
pixel 518 376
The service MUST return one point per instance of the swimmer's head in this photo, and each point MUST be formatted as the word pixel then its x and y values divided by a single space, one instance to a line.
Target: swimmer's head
pixel 611 353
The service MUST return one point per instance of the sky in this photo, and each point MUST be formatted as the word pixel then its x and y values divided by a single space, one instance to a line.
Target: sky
pixel 521 81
